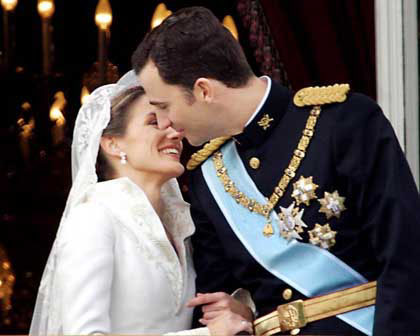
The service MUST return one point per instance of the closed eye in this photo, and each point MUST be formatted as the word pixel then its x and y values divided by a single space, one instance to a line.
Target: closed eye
pixel 151 119
pixel 159 105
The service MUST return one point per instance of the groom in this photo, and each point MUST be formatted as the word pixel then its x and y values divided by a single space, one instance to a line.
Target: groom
pixel 300 195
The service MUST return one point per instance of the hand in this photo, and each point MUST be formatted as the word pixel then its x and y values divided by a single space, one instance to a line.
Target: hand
pixel 228 324
pixel 216 304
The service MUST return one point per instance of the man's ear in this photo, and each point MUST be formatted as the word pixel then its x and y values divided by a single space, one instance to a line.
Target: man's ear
pixel 110 146
pixel 204 90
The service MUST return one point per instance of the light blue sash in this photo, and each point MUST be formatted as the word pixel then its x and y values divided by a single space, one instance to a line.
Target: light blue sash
pixel 309 269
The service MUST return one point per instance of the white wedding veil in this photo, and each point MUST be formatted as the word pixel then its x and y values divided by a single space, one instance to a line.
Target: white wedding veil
pixel 92 119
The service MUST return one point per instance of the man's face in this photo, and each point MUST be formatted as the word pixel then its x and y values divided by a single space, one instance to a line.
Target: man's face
pixel 174 108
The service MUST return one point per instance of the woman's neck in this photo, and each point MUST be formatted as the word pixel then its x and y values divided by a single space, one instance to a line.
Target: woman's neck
pixel 151 185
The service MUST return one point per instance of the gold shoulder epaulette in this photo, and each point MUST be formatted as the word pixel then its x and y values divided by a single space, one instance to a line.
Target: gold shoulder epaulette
pixel 208 149
pixel 316 95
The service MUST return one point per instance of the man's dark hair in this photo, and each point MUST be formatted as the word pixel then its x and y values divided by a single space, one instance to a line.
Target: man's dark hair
pixel 192 43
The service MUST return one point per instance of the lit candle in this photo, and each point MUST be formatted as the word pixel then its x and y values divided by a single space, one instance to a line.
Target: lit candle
pixel 103 19
pixel 26 132
pixel 84 95
pixel 8 32
pixel 56 116
pixel 160 14
pixel 46 10
pixel 229 23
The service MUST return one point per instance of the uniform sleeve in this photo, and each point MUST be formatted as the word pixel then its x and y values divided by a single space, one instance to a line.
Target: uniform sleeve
pixel 85 268
pixel 373 166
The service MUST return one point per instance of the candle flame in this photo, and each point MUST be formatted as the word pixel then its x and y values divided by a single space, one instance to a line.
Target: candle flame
pixel 103 14
pixel 26 106
pixel 46 8
pixel 84 95
pixel 9 5
pixel 229 23
pixel 160 14
pixel 57 108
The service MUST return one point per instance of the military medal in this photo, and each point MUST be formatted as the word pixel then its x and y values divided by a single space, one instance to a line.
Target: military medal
pixel 304 190
pixel 322 236
pixel 332 204
pixel 268 229
pixel 291 223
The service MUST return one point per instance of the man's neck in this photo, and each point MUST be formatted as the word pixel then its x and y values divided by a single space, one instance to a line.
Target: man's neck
pixel 241 104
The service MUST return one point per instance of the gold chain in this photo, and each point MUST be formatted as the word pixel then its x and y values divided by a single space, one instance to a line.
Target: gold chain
pixel 289 173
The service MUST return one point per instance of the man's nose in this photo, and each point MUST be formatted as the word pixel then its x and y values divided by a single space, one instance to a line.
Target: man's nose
pixel 173 134
pixel 163 121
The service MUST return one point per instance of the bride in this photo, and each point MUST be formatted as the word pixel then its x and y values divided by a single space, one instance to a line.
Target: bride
pixel 121 261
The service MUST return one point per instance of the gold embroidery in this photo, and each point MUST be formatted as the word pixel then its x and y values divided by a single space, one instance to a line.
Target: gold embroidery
pixel 205 152
pixel 265 121
pixel 321 95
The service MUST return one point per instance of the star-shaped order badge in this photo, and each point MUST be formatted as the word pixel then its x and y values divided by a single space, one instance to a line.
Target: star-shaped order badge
pixel 291 223
pixel 332 204
pixel 304 190
pixel 322 236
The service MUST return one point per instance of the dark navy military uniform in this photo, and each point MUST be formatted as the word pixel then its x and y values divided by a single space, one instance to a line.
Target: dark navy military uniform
pixel 354 151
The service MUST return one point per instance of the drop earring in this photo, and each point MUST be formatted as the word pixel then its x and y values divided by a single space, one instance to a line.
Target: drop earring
pixel 123 158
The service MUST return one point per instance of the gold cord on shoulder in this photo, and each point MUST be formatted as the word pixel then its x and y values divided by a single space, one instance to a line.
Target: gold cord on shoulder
pixel 316 95
pixel 208 149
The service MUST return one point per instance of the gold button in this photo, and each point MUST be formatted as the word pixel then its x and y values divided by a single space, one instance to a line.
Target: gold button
pixel 287 294
pixel 254 163
pixel 295 332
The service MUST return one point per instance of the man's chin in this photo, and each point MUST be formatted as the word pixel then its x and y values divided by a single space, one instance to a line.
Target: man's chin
pixel 196 142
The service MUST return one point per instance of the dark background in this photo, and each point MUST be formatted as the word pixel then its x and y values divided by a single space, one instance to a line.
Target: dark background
pixel 297 42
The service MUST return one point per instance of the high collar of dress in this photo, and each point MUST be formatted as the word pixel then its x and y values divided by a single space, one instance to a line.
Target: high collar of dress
pixel 274 106
pixel 128 197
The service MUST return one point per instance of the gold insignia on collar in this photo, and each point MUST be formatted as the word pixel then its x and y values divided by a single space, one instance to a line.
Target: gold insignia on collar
pixel 304 190
pixel 322 236
pixel 332 204
pixel 265 121
pixel 291 223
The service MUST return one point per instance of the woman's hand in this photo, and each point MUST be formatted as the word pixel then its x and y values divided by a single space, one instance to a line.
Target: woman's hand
pixel 228 324
pixel 217 304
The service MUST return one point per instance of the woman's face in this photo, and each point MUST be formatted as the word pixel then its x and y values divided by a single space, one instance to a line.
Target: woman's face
pixel 149 149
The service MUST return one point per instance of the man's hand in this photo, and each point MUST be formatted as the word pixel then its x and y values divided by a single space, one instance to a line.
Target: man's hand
pixel 216 304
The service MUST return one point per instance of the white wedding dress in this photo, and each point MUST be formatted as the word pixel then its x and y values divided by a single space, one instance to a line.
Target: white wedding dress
pixel 118 272
pixel 112 268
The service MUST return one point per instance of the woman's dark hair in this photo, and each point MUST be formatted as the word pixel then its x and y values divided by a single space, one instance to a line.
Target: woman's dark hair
pixel 117 126
pixel 192 43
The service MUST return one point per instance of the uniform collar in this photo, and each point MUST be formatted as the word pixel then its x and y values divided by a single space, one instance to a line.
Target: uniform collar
pixel 263 100
pixel 275 106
